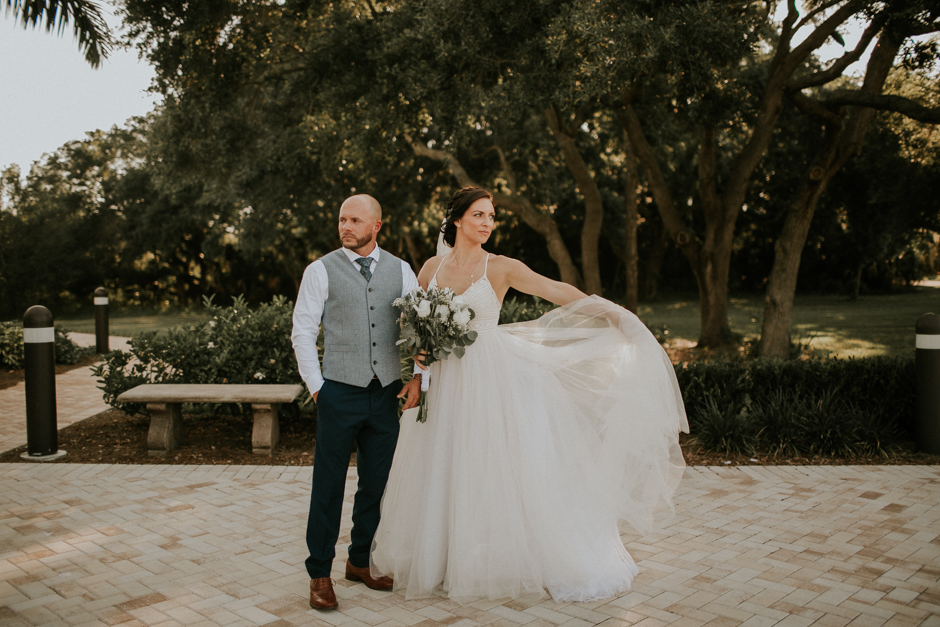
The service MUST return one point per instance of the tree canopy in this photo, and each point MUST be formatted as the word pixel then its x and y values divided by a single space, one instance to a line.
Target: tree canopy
pixel 615 136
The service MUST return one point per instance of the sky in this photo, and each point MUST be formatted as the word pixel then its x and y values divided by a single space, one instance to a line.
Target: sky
pixel 49 95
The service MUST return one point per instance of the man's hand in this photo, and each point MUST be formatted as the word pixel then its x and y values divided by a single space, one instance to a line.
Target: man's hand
pixel 315 395
pixel 412 390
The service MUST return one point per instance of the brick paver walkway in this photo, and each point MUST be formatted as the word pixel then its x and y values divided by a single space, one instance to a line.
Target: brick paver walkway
pixel 77 397
pixel 217 545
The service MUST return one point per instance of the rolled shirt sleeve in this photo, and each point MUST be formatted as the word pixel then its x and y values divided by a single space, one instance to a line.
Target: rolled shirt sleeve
pixel 314 290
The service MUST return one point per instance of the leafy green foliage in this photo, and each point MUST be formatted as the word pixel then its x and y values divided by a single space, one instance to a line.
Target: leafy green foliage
pixel 523 309
pixel 235 345
pixel 88 24
pixel 12 354
pixel 815 407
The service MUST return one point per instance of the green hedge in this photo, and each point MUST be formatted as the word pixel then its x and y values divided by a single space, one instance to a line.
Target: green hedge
pixel 824 407
pixel 12 356
pixel 234 345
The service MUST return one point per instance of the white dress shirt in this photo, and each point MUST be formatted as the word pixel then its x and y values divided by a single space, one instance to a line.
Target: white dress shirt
pixel 308 312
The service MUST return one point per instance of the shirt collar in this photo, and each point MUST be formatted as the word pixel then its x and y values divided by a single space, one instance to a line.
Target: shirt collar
pixel 353 256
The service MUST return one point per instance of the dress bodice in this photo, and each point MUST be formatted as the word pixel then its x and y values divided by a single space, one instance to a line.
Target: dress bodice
pixel 481 297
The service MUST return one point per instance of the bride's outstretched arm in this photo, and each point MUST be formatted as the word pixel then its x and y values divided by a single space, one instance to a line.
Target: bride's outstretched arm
pixel 519 276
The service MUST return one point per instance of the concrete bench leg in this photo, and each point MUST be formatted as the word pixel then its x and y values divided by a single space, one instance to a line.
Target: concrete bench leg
pixel 266 430
pixel 166 428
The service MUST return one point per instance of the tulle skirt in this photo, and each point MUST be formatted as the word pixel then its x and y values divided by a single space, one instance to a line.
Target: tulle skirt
pixel 539 442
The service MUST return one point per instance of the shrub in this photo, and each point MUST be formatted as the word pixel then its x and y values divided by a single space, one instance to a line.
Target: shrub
pixel 833 407
pixel 235 345
pixel 12 355
pixel 725 429
pixel 523 309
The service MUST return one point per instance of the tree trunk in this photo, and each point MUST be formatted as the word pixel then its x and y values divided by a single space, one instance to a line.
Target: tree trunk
pixel 842 145
pixel 716 250
pixel 857 283
pixel 781 284
pixel 665 202
pixel 593 202
pixel 415 248
pixel 654 264
pixel 630 216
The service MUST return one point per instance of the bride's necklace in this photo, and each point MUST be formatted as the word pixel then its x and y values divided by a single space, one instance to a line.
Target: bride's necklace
pixel 475 266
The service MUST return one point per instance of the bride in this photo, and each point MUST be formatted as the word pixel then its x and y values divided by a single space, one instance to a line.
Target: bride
pixel 538 442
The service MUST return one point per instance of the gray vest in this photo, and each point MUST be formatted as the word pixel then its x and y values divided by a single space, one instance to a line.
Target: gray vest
pixel 360 326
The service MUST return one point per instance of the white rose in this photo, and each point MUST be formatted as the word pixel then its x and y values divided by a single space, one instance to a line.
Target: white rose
pixel 442 312
pixel 423 309
pixel 462 317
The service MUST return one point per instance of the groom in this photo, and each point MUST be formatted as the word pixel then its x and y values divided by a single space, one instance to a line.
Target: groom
pixel 350 291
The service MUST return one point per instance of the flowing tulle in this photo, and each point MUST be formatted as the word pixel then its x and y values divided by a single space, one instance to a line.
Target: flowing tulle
pixel 539 441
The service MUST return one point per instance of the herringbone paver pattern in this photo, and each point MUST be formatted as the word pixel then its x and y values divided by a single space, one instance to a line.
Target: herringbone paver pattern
pixel 213 545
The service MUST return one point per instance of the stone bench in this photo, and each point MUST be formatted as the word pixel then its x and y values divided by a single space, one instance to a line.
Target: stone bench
pixel 164 402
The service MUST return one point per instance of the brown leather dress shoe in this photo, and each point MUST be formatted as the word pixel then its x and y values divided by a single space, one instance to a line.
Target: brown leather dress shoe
pixel 322 596
pixel 365 576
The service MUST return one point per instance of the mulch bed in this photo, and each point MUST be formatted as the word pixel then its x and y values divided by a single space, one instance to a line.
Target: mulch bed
pixel 116 438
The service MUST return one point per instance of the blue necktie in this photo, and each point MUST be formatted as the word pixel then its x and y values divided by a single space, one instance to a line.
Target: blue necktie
pixel 365 262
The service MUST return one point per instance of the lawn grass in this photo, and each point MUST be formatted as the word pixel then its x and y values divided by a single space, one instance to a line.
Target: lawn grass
pixel 128 323
pixel 835 325
pixel 872 325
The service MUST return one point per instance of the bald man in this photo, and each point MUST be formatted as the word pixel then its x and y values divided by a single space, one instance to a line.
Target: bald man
pixel 351 291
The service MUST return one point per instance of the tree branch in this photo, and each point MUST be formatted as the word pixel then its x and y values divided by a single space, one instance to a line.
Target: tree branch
pixel 822 32
pixel 835 70
pixel 885 102
pixel 453 164
pixel 811 106
pixel 809 16
pixel 786 29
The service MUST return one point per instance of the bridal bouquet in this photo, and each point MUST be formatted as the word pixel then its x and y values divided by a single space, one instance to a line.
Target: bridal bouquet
pixel 434 322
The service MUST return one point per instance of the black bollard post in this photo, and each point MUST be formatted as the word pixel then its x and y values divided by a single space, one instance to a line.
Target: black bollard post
pixel 42 438
pixel 101 321
pixel 927 366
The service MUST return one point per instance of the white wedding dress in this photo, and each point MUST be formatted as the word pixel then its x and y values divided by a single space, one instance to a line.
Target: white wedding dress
pixel 538 441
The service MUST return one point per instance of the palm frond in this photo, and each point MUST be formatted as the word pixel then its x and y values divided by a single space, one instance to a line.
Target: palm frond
pixel 88 25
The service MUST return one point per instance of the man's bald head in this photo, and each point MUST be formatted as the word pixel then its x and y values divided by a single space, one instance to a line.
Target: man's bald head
pixel 360 218
pixel 364 202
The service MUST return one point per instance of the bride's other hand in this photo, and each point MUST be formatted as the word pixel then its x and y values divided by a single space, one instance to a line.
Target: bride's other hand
pixel 419 359
pixel 515 274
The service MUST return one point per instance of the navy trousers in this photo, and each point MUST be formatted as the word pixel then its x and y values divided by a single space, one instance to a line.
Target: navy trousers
pixel 346 414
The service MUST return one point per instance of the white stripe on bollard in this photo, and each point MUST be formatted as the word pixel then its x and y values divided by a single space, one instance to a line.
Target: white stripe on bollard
pixel 930 342
pixel 101 300
pixel 39 336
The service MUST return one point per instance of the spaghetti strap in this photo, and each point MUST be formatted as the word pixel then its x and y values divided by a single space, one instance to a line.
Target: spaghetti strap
pixel 486 264
pixel 439 267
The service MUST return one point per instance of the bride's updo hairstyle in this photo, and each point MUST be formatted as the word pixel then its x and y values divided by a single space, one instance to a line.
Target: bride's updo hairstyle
pixel 457 206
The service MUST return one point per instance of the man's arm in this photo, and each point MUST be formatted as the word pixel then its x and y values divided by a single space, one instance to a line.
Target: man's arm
pixel 314 290
pixel 409 282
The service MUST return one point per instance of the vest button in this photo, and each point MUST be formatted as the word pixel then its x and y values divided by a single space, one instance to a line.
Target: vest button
pixel 371 307
pixel 375 363
pixel 373 325
pixel 370 289
pixel 373 343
